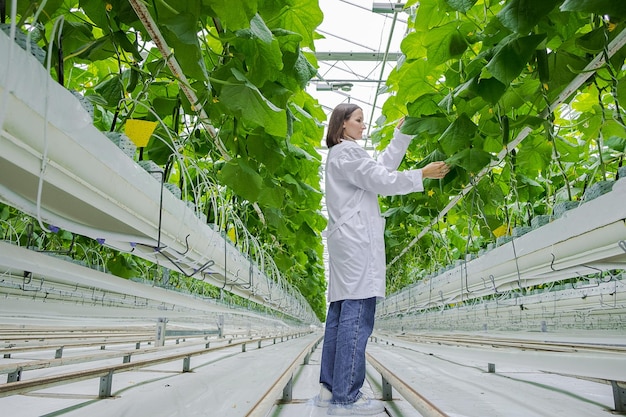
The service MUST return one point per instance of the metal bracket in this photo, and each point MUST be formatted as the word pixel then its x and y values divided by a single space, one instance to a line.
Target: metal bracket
pixel 288 391
pixel 105 385
pixel 387 390
pixel 619 396
pixel 15 375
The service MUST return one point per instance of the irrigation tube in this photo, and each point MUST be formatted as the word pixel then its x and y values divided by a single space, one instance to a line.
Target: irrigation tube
pixel 590 69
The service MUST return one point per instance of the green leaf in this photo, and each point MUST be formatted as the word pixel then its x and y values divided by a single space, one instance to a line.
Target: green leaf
pixel 122 40
pixel 444 43
pixel 242 179
pixel 424 105
pixel 593 41
pixel 413 45
pixel 511 58
pixel 164 106
pixel 459 135
pixel 246 101
pixel 234 14
pixel 303 70
pixel 272 195
pixel 490 89
pixel 613 8
pixel 111 90
pixel 414 79
pixel 462 6
pixel 122 267
pixel 48 12
pixel 616 143
pixel 563 67
pixel 181 33
pixel 263 57
pixel 434 125
pixel 534 154
pixel 266 150
pixel 472 160
pixel 301 16
pixel 522 15
pixel 568 152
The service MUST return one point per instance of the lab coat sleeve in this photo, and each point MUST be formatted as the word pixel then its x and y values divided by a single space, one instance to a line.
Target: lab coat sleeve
pixel 361 170
pixel 393 154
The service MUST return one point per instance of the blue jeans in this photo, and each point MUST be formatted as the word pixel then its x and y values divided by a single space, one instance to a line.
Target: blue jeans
pixel 349 324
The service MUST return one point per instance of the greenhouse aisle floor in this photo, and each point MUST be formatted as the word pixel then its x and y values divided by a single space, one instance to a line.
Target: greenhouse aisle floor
pixel 455 381
pixel 458 384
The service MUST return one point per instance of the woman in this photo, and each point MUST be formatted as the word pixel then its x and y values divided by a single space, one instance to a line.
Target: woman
pixel 355 240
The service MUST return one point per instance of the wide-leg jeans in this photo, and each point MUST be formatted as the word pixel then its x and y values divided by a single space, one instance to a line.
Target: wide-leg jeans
pixel 349 324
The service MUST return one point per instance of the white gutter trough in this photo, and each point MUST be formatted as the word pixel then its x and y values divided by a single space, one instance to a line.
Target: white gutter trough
pixel 56 166
pixel 585 240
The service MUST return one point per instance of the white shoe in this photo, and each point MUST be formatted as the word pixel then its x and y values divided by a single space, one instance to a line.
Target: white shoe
pixel 324 398
pixel 362 407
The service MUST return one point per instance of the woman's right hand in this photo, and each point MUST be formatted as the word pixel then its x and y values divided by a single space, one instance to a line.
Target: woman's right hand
pixel 435 170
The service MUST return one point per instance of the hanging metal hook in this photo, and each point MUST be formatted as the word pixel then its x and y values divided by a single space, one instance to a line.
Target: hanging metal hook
pixel 493 283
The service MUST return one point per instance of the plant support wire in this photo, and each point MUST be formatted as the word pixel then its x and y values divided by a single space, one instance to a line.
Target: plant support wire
pixel 590 69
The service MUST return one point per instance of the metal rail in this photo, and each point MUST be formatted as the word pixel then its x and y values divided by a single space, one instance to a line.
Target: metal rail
pixel 15 368
pixel 389 379
pixel 538 345
pixel 284 383
pixel 106 373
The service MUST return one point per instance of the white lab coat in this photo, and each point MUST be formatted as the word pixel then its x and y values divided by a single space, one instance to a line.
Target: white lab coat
pixel 355 233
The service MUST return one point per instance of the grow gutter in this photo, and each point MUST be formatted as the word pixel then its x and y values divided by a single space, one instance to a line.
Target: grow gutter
pixel 57 167
pixel 585 240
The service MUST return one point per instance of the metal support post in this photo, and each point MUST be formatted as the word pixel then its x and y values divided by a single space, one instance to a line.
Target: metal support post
pixel 619 396
pixel 491 368
pixel 259 344
pixel 137 345
pixel 105 385
pixel 387 390
pixel 288 390
pixel 160 332
pixel 208 344
pixel 59 353
pixel 220 326
pixel 186 363
pixel 15 375
pixel 243 347
pixel 126 359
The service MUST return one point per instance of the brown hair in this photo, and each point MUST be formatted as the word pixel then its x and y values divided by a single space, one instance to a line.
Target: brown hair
pixel 340 114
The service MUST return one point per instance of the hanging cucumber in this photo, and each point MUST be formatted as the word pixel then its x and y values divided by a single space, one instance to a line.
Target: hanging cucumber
pixel 542 66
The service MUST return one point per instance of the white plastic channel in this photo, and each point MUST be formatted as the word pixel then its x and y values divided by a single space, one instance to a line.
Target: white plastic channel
pixel 92 188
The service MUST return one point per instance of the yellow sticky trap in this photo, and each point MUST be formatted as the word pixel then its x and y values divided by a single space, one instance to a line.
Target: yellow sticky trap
pixel 139 131
pixel 232 234
pixel 500 231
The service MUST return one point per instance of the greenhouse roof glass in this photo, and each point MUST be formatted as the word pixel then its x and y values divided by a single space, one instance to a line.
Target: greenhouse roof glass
pixel 361 46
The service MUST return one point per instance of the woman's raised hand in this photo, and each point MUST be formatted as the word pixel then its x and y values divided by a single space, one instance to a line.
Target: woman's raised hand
pixel 435 170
